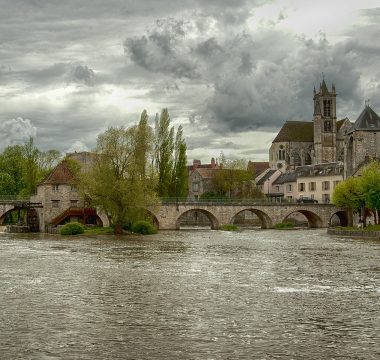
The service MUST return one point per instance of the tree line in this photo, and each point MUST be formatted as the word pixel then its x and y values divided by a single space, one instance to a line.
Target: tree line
pixel 360 195
pixel 23 167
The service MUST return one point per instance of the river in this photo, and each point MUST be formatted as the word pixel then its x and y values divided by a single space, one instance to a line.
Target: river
pixel 190 295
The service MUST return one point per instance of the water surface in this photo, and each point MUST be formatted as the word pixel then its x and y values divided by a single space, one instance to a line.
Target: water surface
pixel 190 295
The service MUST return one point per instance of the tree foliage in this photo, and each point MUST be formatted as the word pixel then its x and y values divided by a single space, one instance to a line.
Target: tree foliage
pixel 357 193
pixel 116 182
pixel 26 166
pixel 170 158
pixel 233 179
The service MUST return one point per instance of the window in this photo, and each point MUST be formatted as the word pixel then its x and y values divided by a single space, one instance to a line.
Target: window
pixel 55 203
pixel 73 188
pixel 297 159
pixel 55 187
pixel 326 185
pixel 301 187
pixel 327 126
pixel 281 153
pixel 327 107
pixel 336 182
pixel 326 198
pixel 195 187
pixel 312 186
pixel 74 203
pixel 277 188
pixel 289 188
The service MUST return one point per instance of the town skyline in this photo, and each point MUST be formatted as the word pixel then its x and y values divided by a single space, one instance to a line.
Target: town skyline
pixel 230 75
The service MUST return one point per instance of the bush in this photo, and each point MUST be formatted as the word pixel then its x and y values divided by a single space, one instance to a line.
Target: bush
pixel 143 227
pixel 228 227
pixel 284 225
pixel 72 228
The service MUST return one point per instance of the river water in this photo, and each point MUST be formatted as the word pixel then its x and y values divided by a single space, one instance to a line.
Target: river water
pixel 190 295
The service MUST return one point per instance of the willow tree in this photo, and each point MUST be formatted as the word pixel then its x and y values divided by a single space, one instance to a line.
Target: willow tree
pixel 118 181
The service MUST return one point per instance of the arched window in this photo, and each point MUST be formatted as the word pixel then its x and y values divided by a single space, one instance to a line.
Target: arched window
pixel 307 159
pixel 281 153
pixel 327 126
pixel 297 159
pixel 327 104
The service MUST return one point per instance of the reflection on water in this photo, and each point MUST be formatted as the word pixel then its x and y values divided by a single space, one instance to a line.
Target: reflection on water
pixel 190 295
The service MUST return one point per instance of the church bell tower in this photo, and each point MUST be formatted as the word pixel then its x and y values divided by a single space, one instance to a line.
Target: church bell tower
pixel 324 124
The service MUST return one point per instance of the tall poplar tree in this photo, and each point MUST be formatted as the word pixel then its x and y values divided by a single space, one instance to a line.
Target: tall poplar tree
pixel 164 147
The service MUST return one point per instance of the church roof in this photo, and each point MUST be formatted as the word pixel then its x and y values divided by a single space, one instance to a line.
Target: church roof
pixel 298 131
pixel 339 123
pixel 367 120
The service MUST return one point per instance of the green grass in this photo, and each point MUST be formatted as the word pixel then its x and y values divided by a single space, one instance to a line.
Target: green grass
pixel 228 227
pixel 284 225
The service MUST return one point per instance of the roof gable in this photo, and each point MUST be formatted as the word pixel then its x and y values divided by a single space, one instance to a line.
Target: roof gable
pixel 367 120
pixel 61 174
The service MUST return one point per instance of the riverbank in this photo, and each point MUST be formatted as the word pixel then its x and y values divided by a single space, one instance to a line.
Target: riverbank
pixel 354 233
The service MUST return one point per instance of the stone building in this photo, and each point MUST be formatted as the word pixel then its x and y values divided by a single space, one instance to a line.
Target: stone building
pixel 60 199
pixel 326 139
pixel 362 141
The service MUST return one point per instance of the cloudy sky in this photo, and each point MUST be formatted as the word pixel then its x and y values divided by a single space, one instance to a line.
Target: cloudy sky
pixel 231 72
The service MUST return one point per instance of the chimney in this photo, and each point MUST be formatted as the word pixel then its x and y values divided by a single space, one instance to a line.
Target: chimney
pixel 196 163
pixel 213 164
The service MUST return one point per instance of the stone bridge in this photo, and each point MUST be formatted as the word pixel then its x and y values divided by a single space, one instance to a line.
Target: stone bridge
pixel 168 215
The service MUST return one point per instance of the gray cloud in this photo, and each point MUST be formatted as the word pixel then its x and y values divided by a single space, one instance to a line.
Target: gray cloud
pixel 16 131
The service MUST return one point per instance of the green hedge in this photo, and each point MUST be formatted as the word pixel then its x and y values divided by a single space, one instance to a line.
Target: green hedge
pixel 143 227
pixel 228 227
pixel 72 228
pixel 284 225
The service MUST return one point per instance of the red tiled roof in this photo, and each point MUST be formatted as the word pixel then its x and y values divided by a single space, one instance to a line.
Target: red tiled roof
pixel 61 174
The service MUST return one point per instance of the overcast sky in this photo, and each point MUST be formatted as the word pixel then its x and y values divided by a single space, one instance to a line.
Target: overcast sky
pixel 231 72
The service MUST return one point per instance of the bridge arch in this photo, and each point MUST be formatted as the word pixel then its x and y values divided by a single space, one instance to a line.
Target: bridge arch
pixel 24 216
pixel 266 222
pixel 314 221
pixel 211 217
pixel 339 218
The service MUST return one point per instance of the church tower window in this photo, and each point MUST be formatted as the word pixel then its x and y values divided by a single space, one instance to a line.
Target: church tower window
pixel 327 105
pixel 327 126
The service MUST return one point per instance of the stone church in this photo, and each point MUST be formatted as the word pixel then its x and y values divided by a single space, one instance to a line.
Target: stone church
pixel 326 139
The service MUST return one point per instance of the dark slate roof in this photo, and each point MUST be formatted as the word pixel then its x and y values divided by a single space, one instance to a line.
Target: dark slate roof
pixel 299 131
pixel 339 123
pixel 368 120
pixel 266 177
pixel 286 178
pixel 323 169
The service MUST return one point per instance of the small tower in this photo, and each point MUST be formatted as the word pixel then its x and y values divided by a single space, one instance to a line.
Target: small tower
pixel 324 124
